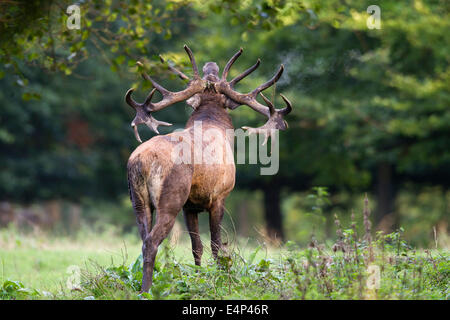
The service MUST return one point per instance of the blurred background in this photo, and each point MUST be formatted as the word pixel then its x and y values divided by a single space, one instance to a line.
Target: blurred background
pixel 371 111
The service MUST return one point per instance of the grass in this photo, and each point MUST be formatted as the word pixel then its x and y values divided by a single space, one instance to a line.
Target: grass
pixel 42 261
pixel 108 266
pixel 43 264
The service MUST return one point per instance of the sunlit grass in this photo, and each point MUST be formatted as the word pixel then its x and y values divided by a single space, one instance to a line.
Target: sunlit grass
pixel 37 266
pixel 42 261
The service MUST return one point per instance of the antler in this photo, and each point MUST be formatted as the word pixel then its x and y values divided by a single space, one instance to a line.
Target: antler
pixel 145 109
pixel 275 116
pixel 275 121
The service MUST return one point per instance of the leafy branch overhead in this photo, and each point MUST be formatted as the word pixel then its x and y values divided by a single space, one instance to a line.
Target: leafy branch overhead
pixel 36 32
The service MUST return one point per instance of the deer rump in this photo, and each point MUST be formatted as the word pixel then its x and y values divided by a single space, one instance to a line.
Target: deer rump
pixel 157 181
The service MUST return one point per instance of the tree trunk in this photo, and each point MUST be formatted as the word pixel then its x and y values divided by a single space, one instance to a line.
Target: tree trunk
pixel 243 220
pixel 272 211
pixel 385 217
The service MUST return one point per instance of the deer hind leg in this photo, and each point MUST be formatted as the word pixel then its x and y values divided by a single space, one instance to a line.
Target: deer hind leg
pixel 143 210
pixel 172 197
pixel 161 229
pixel 191 218
pixel 215 219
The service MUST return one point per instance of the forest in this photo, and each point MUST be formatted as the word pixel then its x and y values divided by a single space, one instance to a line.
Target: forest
pixel 366 152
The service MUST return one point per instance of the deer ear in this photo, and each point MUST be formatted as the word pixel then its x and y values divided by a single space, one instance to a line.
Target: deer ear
pixel 194 101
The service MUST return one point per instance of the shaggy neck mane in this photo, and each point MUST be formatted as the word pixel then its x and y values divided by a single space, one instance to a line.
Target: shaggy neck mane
pixel 211 111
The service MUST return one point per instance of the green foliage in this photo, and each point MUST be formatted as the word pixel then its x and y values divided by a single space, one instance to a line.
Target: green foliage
pixel 319 198
pixel 114 282
pixel 339 270
pixel 15 290
pixel 312 273
pixel 116 30
pixel 257 14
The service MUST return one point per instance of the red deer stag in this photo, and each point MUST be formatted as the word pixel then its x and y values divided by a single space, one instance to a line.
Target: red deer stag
pixel 157 182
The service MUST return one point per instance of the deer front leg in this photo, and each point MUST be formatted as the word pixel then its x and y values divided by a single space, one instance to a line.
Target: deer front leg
pixel 215 219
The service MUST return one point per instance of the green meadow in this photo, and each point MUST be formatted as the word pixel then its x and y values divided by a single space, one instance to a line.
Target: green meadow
pixel 107 265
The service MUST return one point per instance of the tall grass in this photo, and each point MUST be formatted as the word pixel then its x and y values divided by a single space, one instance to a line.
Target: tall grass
pixel 354 266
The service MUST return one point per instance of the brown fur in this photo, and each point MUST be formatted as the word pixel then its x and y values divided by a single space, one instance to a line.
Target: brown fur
pixel 156 183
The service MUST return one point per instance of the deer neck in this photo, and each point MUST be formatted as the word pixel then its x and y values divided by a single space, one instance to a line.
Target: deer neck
pixel 212 113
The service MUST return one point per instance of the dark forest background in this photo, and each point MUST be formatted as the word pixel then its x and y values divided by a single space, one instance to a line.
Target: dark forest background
pixel 371 110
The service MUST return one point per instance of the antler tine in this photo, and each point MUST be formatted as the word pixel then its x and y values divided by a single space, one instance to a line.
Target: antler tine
pixel 136 105
pixel 130 100
pixel 174 70
pixel 195 86
pixel 234 99
pixel 148 100
pixel 245 73
pixel 275 121
pixel 269 83
pixel 141 114
pixel 269 104
pixel 230 63
pixel 194 64
pixel 285 111
pixel 156 85
pixel 248 99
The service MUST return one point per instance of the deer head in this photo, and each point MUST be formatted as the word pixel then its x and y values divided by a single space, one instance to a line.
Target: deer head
pixel 212 83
